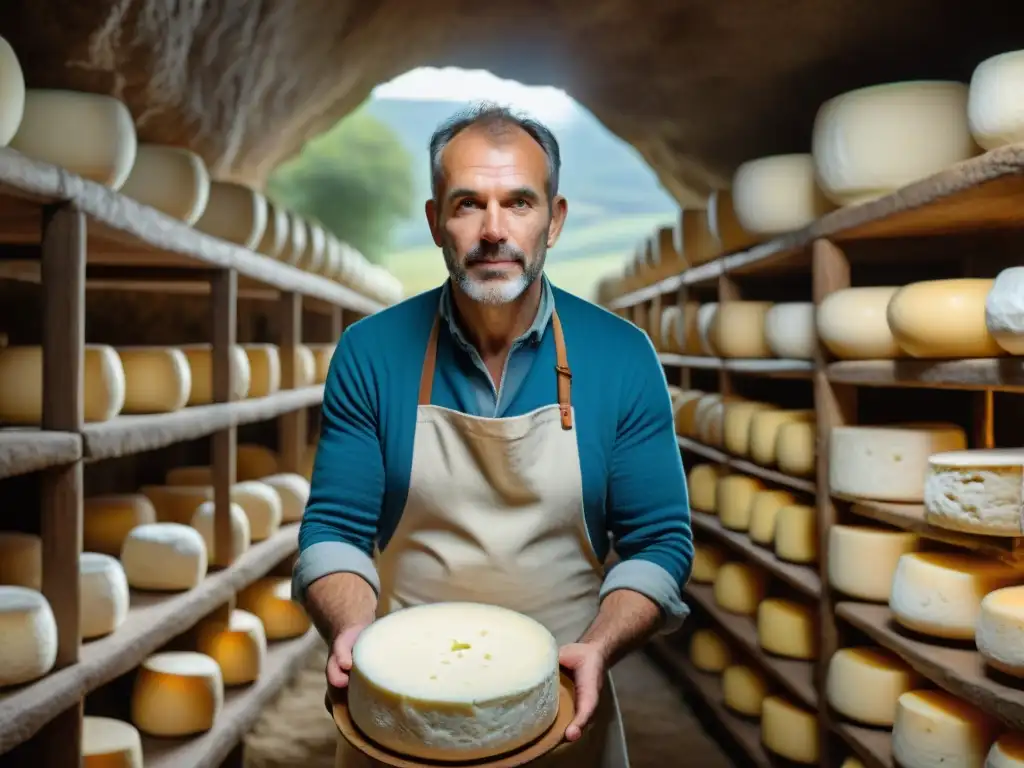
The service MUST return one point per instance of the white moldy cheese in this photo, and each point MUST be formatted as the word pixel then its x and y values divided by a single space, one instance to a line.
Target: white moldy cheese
pixel 103 597
pixel 934 729
pixel 166 557
pixel 12 93
pixel 976 491
pixel 790 330
pixel 454 681
pixel 204 521
pixel 173 180
pixel 777 194
pixel 999 634
pixel 850 546
pixel 1004 310
pixel 29 633
pixel 994 112
pixel 864 684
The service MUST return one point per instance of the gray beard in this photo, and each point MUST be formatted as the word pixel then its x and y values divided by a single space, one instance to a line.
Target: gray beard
pixel 493 288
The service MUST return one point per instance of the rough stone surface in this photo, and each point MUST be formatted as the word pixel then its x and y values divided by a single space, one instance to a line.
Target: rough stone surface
pixel 697 86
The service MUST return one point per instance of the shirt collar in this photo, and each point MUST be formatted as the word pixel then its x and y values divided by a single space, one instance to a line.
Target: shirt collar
pixel 534 333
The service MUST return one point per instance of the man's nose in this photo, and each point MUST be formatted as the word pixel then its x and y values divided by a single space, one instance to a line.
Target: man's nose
pixel 494 229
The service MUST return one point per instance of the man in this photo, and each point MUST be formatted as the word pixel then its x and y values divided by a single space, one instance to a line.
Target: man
pixel 483 441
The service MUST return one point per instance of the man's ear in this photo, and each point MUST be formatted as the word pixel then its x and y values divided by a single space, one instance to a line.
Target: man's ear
pixel 559 210
pixel 433 222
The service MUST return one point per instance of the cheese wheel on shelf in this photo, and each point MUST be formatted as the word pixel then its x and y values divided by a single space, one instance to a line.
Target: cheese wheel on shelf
pixel 157 379
pixel 888 463
pixel 12 93
pixel 764 511
pixel 777 194
pixel 173 180
pixel 189 476
pixel 738 329
pixel 794 448
pixel 255 462
pixel 110 743
pixel 977 491
pixel 796 534
pixel 1007 751
pixel 693 238
pixel 936 728
pixel 705 319
pixel 789 731
pixel 850 546
pixel 21 560
pixel 265 369
pixel 939 594
pixel 736 428
pixel 942 319
pixel 29 631
pixel 711 421
pixel 200 363
pixel 702 485
pixel 275 234
pixel 103 597
pixel 870 142
pixel 295 246
pixel 305 367
pixel 332 263
pixel 293 490
pixel 238 645
pixel 164 557
pixel 261 504
pixel 177 503
pixel 654 325
pixel 709 652
pixel 235 213
pixel 853 324
pixel 90 134
pixel 312 256
pixel 739 588
pixel 744 690
pixel 999 634
pixel 673 330
pixel 707 559
pixel 787 628
pixel 790 330
pixel 203 520
pixel 177 693
pixel 864 684
pixel 726 228
pixel 764 432
pixel 322 354
pixel 106 520
pixel 269 599
pixel 734 498
pixel 994 115
pixel 21 384
pixel 685 410
pixel 1004 310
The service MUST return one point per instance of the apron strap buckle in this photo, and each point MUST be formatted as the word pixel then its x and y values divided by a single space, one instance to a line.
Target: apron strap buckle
pixel 563 370
pixel 566 410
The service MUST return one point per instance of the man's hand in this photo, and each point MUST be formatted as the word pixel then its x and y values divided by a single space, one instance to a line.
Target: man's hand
pixel 339 663
pixel 588 663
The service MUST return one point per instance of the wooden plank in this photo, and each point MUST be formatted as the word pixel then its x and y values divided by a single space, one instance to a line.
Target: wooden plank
pixel 224 321
pixel 691 361
pixel 712 454
pixel 30 450
pixel 872 745
pixel 291 426
pixel 772 476
pixel 1005 374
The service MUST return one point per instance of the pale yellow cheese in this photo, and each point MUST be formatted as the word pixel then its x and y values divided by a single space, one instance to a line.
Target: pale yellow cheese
pixel 29 633
pixel 764 432
pixel 157 379
pixel 796 534
pixel 254 462
pixel 103 597
pixel 177 693
pixel 702 485
pixel 204 521
pixel 293 490
pixel 736 428
pixel 673 329
pixel 725 226
pixel 999 633
pixel 332 263
pixel 21 560
pixel 850 546
pixel 852 762
pixel 740 587
pixel 794 448
pixel 709 652
pixel 238 645
pixel 173 180
pixel 270 600
pixel 305 367
pixel 790 330
pixel 1007 751
pixel 685 409
pixel 705 319
pixel 934 728
pixel 235 213
pixel 654 325
pixel 737 329
pixel 942 319
pixel 744 689
pixel 322 354
pixel 262 505
pixel 12 92
pixel 177 503
pixel 864 684
pixel 707 559
pixel 980 492
pixel 106 520
pixel 777 194
pixel 994 115
pixel 764 510
pixel 200 363
pixel 734 498
pixel 296 243
pixel 787 628
pixel 164 557
pixel 265 369
pixel 693 238
pixel 853 324
pixel 110 743
pixel 312 256
pixel 275 235
pixel 790 731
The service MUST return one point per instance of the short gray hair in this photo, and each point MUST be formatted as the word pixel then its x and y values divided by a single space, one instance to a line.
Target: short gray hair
pixel 497 117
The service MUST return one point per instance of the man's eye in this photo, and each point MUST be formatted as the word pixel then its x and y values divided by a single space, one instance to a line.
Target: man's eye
pixel 466 204
pixel 520 203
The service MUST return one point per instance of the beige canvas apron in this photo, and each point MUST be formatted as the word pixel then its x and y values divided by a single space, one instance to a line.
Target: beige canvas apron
pixel 495 515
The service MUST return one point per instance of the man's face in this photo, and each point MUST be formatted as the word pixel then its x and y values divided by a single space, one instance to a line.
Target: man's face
pixel 492 218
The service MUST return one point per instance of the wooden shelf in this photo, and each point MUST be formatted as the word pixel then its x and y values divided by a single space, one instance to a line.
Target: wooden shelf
pixel 872 745
pixel 1005 374
pixel 712 454
pixel 776 368
pixel 242 707
pixel 30 450
pixel 802 577
pixel 746 467
pixel 961 671
pixel 152 621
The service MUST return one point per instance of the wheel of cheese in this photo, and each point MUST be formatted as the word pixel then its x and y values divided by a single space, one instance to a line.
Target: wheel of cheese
pixel 872 141
pixel 297 237
pixel 322 354
pixel 265 369
pixel 1000 630
pixel 794 448
pixel 777 194
pixel 255 462
pixel 736 426
pixel 796 534
pixel 764 511
pixel 738 329
pixel 270 600
pixel 942 318
pixel 454 681
pixel 887 463
pixel 312 256
pixel 241 537
pixel 707 559
pixel 29 631
pixel 850 546
pixel 663 251
pixel 705 319
pixel 1007 751
pixel 936 728
pixel 734 498
pixel 173 180
pixel 261 504
pixel 1004 310
pixel 704 414
pixel 103 598
pixel 939 594
pixel 653 326
pixel 693 238
pixel 200 363
pixel 701 484
pixel 106 520
pixel 790 331
pixel 864 684
pixel 787 628
pixel 21 560
pixel 293 490
pixel 333 258
pixel 157 379
pixel 238 645
pixel 673 330
pixel 744 690
pixel 110 743
pixel 709 652
pixel 89 134
pixel 190 476
pixel 980 491
pixel 12 93
pixel 275 235
pixel 177 503
pixel 21 384
pixel 234 213
pixel 739 588
pixel 789 731
pixel 164 557
pixel 177 693
pixel 305 367
pixel 853 324
pixel 685 409
pixel 994 115
pixel 726 228
pixel 764 432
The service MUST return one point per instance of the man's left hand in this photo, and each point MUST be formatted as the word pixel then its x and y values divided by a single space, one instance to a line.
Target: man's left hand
pixel 588 663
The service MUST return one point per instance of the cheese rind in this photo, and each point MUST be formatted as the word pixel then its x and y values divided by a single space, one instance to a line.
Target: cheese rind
pixel 777 194
pixel 790 330
pixel 234 213
pixel 763 514
pixel 164 557
pixel 177 693
pixel 707 559
pixel 177 503
pixel 999 633
pixel 795 448
pixel 269 599
pixel 994 113
pixel 275 234
pixel 934 728
pixel 265 369
pixel 764 432
pixel 29 633
pixel 238 645
pixel 103 595
pixel 1004 310
pixel 787 628
pixel 1007 751
pixel 744 690
pixel 796 534
pixel 261 504
pixel 110 743
pixel 454 681
pixel 293 490
pixel 850 546
pixel 942 319
pixel 200 362
pixel 21 560
pixel 106 520
pixel 173 180
pixel 864 684
pixel 980 492
pixel 204 521
pixel 853 324
pixel 255 462
pixel 739 588
pixel 12 86
pixel 789 731
pixel 157 379
pixel 709 652
pixel 702 484
pixel 705 319
pixel 738 329
pixel 734 498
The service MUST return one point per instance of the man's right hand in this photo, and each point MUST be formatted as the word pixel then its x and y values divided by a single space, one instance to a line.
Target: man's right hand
pixel 339 663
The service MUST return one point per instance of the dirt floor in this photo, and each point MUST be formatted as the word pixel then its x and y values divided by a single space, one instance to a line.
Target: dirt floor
pixel 297 731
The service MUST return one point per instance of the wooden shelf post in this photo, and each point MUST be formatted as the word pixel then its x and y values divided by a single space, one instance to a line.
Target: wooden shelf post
pixel 224 307
pixel 291 427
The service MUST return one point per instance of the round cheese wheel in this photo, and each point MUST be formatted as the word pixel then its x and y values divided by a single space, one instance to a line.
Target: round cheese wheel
pixel 21 560
pixel 939 594
pixel 275 234
pixel 166 557
pixel 103 598
pixel 12 93
pixel 794 448
pixel 332 258
pixel 177 693
pixel 270 600
pixel 936 728
pixel 1007 751
pixel 89 134
pixel 705 319
pixel 1004 310
pixel 942 318
pixel 305 367
pixel 693 238
pixel 189 476
pixel 265 369
pixel 994 115
pixel 234 213
pixel 979 492
pixel 173 180
pixel 744 690
pixel 1000 630
pixel 736 427
pixel 787 628
pixel 726 228
pixel 777 194
pixel 322 354
pixel 297 237
pixel 789 731
pixel 764 511
pixel 702 485
pixel 685 412
pixel 312 256
pixel 157 379
pixel 872 141
pixel 709 417
pixel 764 432
pixel 106 520
pixel 203 520
pixel 293 489
pixel 709 652
pixel 261 504
pixel 707 559
pixel 738 329
pixel 255 462
pixel 29 631
pixel 177 503
pixel 850 546
pixel 653 326
pixel 796 534
pixel 853 324
pixel 110 743
pixel 673 329
pixel 200 363
pixel 887 463
pixel 739 588
pixel 790 330
pixel 864 684
pixel 238 645
pixel 734 498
